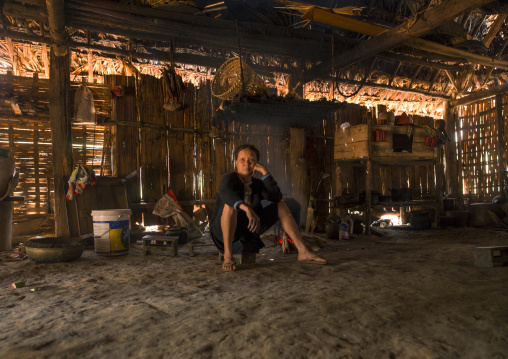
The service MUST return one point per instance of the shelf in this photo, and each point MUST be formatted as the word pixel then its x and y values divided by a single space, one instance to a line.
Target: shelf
pixel 428 203
pixel 354 144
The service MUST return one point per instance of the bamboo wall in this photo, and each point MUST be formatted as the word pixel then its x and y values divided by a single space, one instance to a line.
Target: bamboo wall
pixel 28 135
pixel 478 150
pixel 174 150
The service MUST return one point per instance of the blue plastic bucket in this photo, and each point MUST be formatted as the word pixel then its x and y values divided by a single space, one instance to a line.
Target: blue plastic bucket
pixel 111 229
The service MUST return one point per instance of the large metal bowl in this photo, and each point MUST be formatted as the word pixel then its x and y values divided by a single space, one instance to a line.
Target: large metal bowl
pixel 52 250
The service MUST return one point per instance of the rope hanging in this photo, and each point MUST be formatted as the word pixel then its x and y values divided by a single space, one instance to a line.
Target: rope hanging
pixel 364 80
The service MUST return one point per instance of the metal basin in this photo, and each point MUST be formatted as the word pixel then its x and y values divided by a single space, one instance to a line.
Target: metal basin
pixel 52 250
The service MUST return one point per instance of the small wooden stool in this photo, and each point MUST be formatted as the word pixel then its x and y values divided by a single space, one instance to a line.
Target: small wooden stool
pixel 491 256
pixel 160 243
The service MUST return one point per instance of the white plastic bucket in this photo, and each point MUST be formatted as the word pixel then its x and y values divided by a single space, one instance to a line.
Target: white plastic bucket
pixel 111 230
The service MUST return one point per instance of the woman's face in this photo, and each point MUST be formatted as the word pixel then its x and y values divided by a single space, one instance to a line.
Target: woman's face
pixel 245 162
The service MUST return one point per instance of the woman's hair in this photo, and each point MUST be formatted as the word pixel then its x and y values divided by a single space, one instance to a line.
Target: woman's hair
pixel 250 147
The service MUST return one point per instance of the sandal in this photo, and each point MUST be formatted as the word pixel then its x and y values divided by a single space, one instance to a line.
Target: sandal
pixel 229 266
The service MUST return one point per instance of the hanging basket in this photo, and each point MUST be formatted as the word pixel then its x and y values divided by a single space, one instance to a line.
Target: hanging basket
pixel 227 83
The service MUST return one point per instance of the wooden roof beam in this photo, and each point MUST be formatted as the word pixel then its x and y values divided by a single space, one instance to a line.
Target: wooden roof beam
pixel 430 19
pixel 500 53
pixel 180 58
pixel 394 88
pixel 494 29
pixel 479 95
pixel 451 51
pixel 415 61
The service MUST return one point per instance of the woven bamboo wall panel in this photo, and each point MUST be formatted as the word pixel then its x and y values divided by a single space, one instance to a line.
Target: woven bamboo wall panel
pixel 28 135
pixel 477 132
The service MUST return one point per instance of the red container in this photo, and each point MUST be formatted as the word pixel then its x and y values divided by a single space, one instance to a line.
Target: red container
pixel 426 141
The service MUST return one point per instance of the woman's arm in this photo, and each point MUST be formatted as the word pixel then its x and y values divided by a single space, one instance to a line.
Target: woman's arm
pixel 271 191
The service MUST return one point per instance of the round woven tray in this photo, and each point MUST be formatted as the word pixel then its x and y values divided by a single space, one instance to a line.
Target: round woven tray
pixel 227 83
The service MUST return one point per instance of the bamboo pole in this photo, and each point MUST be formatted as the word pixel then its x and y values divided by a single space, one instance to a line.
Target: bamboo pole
pixel 501 141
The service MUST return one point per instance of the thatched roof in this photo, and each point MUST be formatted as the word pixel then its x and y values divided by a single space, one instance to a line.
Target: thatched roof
pixel 411 53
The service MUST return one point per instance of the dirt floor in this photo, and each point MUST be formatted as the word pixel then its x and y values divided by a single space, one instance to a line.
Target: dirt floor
pixel 410 294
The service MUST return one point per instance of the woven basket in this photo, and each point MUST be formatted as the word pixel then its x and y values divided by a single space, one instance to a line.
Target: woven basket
pixel 227 83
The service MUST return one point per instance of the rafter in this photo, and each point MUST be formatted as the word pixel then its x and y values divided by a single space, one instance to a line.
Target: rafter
pixel 479 95
pixel 451 51
pixel 387 39
pixel 494 29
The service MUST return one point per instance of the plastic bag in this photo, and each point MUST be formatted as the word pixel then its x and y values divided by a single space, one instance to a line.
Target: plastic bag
pixel 345 227
pixel 84 108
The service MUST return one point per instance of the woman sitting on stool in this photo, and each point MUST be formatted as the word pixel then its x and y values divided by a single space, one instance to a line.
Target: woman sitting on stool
pixel 239 217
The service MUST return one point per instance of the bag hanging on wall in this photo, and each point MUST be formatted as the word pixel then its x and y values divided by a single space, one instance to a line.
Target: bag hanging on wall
pixel 84 108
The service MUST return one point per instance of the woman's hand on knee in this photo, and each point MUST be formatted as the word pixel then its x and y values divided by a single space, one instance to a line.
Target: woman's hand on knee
pixel 254 221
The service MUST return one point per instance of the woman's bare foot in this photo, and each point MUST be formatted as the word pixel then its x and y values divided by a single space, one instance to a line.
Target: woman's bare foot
pixel 308 257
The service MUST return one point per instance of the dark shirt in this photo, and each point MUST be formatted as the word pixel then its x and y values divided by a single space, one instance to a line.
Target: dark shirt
pixel 232 192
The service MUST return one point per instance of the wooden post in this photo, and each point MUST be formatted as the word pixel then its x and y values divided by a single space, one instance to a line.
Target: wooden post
pixel 439 198
pixel 403 214
pixel 460 190
pixel 90 66
pixel 59 112
pixel 501 142
pixel 300 186
pixel 368 189
pixel 368 179
pixel 452 172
